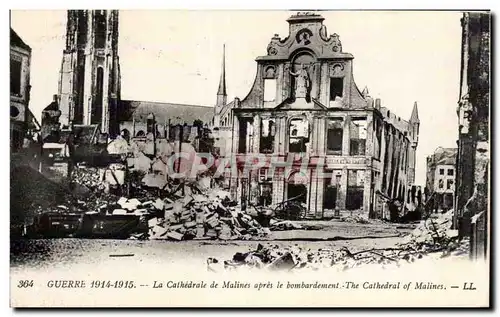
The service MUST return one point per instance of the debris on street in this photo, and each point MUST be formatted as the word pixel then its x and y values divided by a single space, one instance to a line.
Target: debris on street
pixel 431 237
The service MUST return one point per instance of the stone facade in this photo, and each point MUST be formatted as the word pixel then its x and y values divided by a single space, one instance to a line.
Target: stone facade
pixel 89 85
pixel 90 91
pixel 440 183
pixel 20 60
pixel 472 201
pixel 322 140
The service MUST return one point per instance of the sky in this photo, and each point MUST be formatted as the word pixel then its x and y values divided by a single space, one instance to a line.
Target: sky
pixel 175 56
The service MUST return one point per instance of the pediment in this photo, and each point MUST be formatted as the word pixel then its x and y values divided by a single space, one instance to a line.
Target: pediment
pixel 301 104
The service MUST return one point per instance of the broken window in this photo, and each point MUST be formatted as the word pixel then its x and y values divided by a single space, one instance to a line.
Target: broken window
pixel 332 188
pixel 450 172
pixel 449 184
pixel 245 135
pixel 355 189
pixel 265 188
pixel 267 133
pixel 299 136
pixel 336 88
pixel 358 136
pixel 441 184
pixel 266 194
pixel 334 136
pixel 269 89
pixel 15 76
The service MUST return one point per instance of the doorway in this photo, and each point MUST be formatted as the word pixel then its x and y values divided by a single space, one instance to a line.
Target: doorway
pixel 297 191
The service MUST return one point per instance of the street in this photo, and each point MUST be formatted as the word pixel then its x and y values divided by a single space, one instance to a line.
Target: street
pixel 66 253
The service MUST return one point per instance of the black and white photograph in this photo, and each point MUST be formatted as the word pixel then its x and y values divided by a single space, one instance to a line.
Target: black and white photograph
pixel 250 158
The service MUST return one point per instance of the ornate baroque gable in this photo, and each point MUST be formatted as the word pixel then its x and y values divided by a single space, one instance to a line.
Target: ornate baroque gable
pixel 306 31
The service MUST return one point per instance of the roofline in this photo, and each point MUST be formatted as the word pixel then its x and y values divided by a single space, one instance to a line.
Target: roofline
pixel 169 103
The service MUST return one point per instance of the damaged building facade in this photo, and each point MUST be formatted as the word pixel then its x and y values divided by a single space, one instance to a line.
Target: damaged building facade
pixel 20 60
pixel 89 85
pixel 89 96
pixel 344 149
pixel 472 181
pixel 440 182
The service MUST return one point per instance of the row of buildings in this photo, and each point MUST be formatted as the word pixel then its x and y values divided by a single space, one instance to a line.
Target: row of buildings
pixel 459 178
pixel 328 144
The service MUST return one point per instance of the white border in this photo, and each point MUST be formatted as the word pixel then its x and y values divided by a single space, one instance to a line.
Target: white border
pixel 201 4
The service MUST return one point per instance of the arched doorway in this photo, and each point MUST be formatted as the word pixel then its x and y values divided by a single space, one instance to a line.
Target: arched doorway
pixel 297 187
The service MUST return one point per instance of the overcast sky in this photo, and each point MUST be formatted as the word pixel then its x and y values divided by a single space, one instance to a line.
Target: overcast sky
pixel 175 56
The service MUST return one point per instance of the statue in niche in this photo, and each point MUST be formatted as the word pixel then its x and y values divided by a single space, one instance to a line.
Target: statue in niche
pixel 302 81
pixel 270 72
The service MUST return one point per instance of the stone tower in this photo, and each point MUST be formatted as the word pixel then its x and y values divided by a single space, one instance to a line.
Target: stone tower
pixel 89 85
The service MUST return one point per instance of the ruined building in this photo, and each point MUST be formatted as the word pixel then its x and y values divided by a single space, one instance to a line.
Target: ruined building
pixel 20 59
pixel 89 85
pixel 440 183
pixel 89 96
pixel 472 181
pixel 346 150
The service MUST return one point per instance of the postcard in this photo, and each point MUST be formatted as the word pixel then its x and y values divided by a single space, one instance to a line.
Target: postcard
pixel 182 158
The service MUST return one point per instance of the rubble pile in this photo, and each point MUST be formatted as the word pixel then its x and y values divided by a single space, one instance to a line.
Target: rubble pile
pixel 203 216
pixel 208 214
pixel 277 225
pixel 88 177
pixel 431 237
pixel 436 232
pixel 354 219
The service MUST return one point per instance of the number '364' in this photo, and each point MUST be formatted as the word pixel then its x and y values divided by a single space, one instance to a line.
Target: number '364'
pixel 25 283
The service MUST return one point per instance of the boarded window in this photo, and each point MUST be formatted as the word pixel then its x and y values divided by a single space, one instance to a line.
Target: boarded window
pixel 336 88
pixel 334 137
pixel 269 89
pixel 15 77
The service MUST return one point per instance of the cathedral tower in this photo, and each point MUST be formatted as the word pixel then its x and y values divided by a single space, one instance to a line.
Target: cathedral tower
pixel 89 85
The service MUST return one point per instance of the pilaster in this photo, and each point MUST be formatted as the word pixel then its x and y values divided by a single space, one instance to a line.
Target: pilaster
pixel 342 194
pixel 346 136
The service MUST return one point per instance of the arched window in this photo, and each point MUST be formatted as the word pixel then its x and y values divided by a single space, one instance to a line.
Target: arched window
pixel 125 133
pixel 140 134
